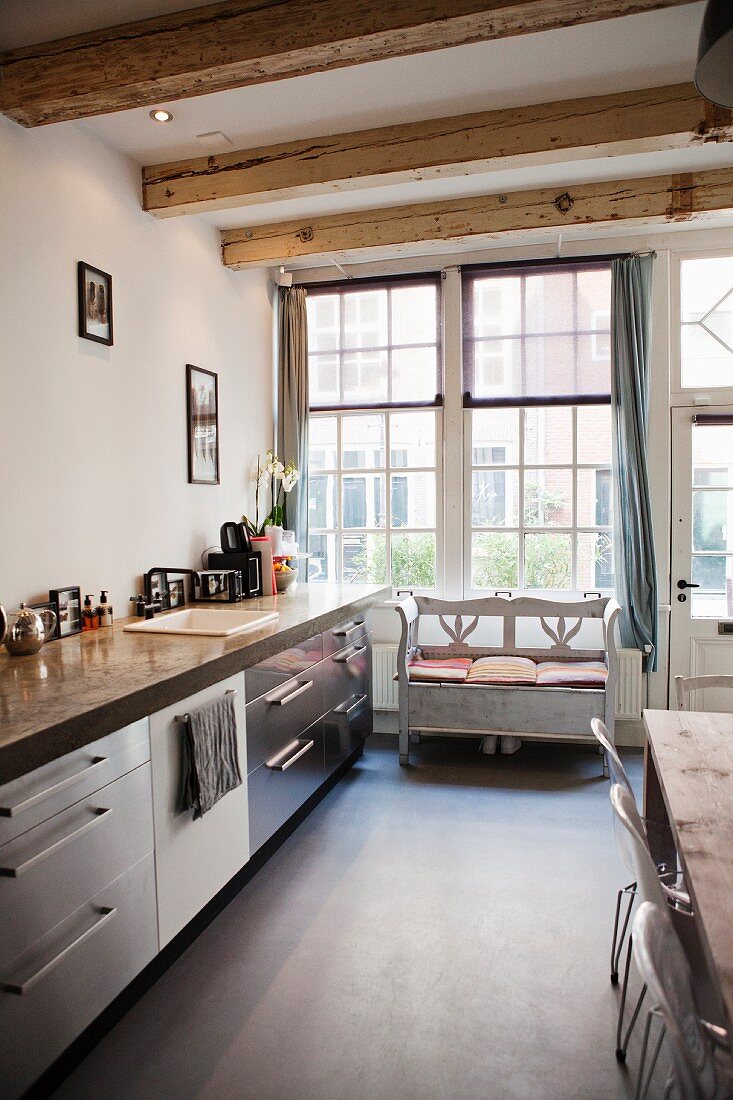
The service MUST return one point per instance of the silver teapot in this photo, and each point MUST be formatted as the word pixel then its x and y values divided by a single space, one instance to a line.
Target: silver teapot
pixel 28 630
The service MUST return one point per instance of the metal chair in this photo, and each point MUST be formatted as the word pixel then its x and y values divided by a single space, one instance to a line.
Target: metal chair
pixel 683 685
pixel 693 1041
pixel 634 851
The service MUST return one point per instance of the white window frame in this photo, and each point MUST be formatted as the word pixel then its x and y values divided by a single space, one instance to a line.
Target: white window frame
pixel 521 528
pixel 697 395
pixel 388 471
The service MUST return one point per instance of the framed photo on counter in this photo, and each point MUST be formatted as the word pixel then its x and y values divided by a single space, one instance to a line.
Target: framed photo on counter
pixel 67 603
pixel 48 605
pixel 202 396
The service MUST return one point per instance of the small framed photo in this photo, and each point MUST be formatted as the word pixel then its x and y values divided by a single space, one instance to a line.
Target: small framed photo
pixel 176 593
pixel 95 304
pixel 202 388
pixel 48 605
pixel 156 588
pixel 68 609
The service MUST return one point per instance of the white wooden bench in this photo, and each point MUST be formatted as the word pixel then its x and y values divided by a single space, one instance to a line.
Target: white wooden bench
pixel 537 713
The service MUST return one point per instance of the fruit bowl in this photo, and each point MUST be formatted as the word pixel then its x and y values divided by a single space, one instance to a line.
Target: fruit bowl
pixel 285 575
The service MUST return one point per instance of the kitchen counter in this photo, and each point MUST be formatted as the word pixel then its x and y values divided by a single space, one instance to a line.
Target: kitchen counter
pixel 78 689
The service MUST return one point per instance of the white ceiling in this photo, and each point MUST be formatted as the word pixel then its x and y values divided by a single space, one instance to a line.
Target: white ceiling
pixel 634 52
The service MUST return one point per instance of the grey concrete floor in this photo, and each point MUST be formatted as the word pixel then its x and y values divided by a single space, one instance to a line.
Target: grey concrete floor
pixel 439 932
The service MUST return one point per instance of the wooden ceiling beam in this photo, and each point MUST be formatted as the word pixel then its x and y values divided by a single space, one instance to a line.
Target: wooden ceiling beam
pixel 646 201
pixel 624 122
pixel 234 43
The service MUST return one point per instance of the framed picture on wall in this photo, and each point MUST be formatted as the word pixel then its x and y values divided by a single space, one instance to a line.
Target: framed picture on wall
pixel 67 603
pixel 95 303
pixel 202 389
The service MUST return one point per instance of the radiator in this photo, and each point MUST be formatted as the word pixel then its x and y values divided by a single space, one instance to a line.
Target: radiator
pixel 628 693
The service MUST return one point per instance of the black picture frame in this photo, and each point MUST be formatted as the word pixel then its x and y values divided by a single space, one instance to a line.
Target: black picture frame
pixel 94 293
pixel 176 593
pixel 68 609
pixel 156 588
pixel 202 412
pixel 48 605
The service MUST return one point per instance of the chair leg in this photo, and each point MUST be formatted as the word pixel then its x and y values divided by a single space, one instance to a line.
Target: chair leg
pixel 621 1050
pixel 618 941
pixel 404 745
pixel 622 1040
pixel 643 1080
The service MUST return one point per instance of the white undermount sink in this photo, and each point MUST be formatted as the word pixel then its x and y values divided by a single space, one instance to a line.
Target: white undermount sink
pixel 204 620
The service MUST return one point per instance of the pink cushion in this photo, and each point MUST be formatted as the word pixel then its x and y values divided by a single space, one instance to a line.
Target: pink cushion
pixel 453 669
pixel 503 670
pixel 571 673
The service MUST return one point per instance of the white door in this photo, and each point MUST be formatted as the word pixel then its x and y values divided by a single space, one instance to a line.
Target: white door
pixel 701 634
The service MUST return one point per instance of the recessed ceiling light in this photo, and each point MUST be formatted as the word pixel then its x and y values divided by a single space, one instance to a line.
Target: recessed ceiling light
pixel 161 116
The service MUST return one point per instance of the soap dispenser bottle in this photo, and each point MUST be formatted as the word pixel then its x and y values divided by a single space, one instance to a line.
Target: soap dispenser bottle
pixel 104 611
pixel 89 618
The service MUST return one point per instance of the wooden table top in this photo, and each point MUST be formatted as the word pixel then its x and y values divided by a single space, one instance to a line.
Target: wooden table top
pixel 692 753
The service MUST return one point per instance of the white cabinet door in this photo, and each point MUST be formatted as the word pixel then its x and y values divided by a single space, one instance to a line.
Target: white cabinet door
pixel 194 859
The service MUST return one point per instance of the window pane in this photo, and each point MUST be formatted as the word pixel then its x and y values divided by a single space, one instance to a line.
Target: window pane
pixel 365 559
pixel 414 315
pixel 412 439
pixel 363 501
pixel 413 500
pixel 548 498
pixel 495 560
pixel 365 378
pixel 322 566
pixel 594 300
pixel 323 322
pixel 414 374
pixel 497 306
pixel 322 445
pixel 712 520
pixel 594 434
pixel 362 442
pixel 413 561
pixel 595 560
pixel 714 598
pixel 365 319
pixel 595 498
pixel 548 436
pixel 323 379
pixel 707 322
pixel 495 437
pixel 712 454
pixel 547 560
pixel 497 368
pixel 495 498
pixel 322 506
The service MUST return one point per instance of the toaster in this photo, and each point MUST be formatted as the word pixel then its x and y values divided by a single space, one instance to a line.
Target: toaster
pixel 224 585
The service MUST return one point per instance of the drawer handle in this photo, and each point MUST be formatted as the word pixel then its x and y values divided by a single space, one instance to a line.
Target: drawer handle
pixel 343 659
pixel 13 872
pixel 349 628
pixel 19 988
pixel 281 761
pixel 347 707
pixel 283 700
pixel 20 807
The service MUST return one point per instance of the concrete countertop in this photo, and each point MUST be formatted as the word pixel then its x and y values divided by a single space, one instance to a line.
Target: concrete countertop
pixel 78 689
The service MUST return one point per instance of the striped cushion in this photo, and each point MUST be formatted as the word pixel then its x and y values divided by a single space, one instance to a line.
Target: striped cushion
pixel 454 669
pixel 502 670
pixel 572 673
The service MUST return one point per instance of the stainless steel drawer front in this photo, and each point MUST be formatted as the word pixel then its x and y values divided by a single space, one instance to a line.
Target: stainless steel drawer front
pixel 275 671
pixel 23 983
pixel 278 788
pixel 276 719
pixel 345 634
pixel 349 654
pixel 345 729
pixel 33 798
pixel 49 871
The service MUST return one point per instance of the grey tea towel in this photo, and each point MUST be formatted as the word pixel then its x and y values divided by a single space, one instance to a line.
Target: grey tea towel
pixel 211 760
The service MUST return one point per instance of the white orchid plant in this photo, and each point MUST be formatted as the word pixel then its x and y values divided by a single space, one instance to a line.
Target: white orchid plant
pixel 281 477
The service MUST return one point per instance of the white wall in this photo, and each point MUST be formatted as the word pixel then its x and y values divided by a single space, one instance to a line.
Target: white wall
pixel 93 453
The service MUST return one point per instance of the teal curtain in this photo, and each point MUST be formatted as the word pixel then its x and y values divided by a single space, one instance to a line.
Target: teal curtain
pixel 636 569
pixel 292 410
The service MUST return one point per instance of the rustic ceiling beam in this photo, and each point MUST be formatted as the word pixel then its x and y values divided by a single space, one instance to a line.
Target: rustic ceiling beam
pixel 624 122
pixel 647 201
pixel 239 42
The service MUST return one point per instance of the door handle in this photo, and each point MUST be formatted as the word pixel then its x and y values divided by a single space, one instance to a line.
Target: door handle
pixel 686 584
pixel 283 700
